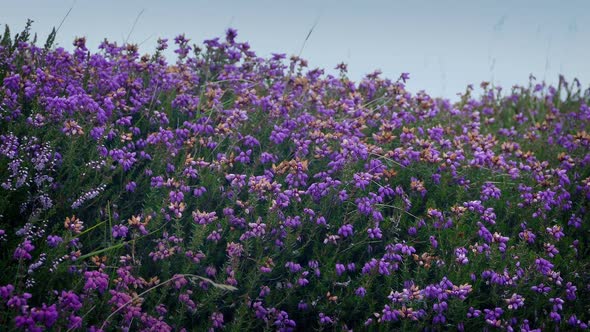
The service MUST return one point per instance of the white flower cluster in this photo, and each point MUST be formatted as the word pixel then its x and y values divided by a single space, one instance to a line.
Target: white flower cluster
pixel 88 196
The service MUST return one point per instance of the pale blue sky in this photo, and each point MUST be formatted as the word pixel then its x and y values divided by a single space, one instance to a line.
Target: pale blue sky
pixel 443 44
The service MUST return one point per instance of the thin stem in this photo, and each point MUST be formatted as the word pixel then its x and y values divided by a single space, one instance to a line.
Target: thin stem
pixel 134 24
pixel 398 208
pixel 388 159
pixel 137 297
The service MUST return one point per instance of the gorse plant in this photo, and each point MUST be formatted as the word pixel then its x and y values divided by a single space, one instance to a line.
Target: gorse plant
pixel 230 191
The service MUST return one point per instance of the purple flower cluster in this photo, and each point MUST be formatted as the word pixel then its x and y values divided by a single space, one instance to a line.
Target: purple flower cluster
pixel 227 190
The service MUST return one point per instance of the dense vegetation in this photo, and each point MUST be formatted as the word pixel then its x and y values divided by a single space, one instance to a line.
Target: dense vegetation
pixel 230 191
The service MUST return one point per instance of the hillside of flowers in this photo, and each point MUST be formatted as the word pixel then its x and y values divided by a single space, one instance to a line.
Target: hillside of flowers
pixel 225 191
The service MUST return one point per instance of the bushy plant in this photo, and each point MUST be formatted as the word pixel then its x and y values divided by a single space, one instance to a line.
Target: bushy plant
pixel 232 191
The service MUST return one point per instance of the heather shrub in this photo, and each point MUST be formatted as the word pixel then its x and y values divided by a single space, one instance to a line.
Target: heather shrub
pixel 228 191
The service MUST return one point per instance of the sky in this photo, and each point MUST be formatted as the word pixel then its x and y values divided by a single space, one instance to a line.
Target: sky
pixel 444 45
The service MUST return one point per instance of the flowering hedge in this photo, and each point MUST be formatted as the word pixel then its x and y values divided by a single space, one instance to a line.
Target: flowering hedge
pixel 232 191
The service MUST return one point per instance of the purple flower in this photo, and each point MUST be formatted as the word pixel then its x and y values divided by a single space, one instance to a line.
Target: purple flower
pixel 68 300
pixel 390 314
pixel 461 256
pixel 342 195
pixel 130 187
pixel 198 192
pixel 515 301
pixel 557 303
pixel 266 158
pixel 550 249
pixel 234 249
pixel 176 196
pixel 404 249
pixel 556 232
pixel 544 266
pixel 575 221
pixel 474 206
pixel 325 320
pixel 433 242
pixel 374 233
pixel 488 191
pixel 127 159
pixel 362 180
pixel 283 323
pixel 541 289
pixel 527 236
pixel 96 280
pixel 54 241
pixel 345 230
pixel 439 319
pixel 293 267
pixel 71 128
pixel 404 77
pixel 570 291
pixel 361 292
pixel 340 269
pixel 19 301
pixel 23 250
pixel 385 267
pixel 473 313
pixel 27 323
pixel 119 231
pixel 74 322
pixel 264 291
pixel 302 306
pixel 261 311
pixel 6 291
pixel 492 317
pixel 573 321
pixel 204 218
pixel 47 316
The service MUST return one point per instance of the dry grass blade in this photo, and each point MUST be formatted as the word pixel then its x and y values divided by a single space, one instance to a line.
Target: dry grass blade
pixel 135 298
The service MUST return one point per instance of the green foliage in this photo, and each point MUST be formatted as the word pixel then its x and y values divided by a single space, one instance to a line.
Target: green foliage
pixel 169 173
